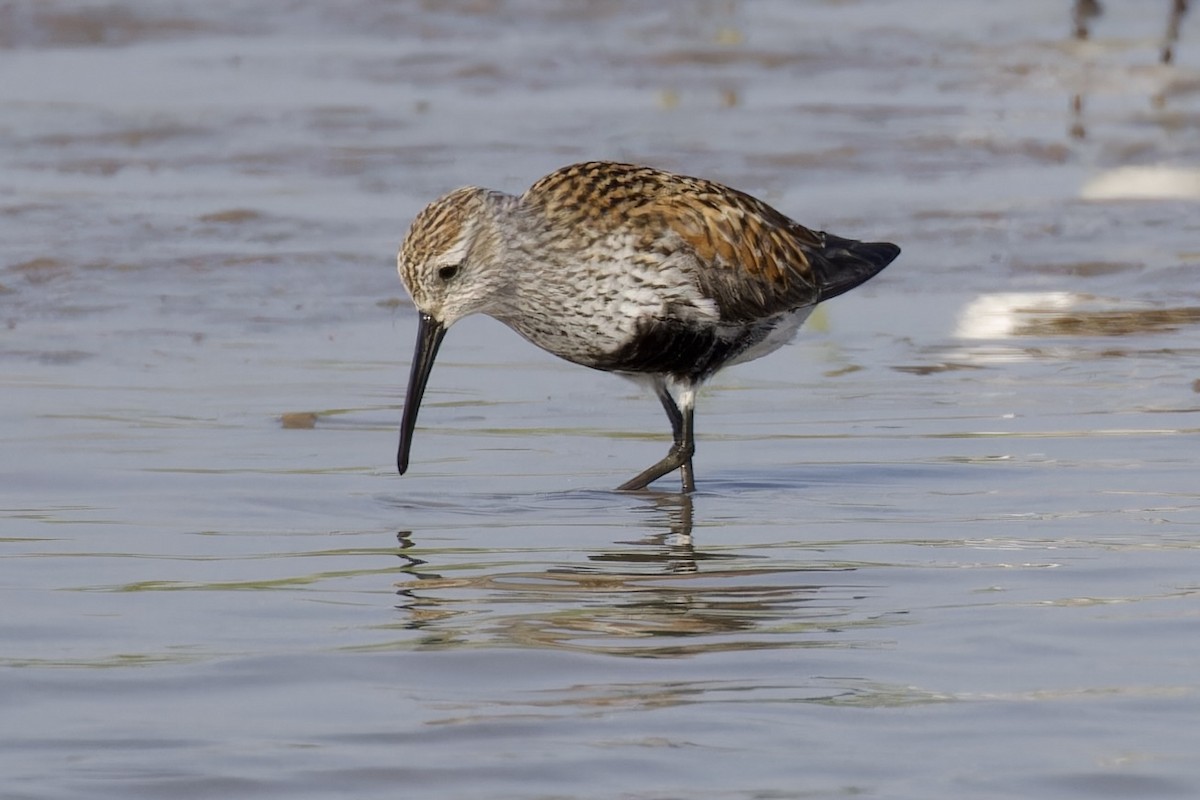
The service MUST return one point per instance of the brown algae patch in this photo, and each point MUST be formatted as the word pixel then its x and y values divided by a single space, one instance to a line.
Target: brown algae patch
pixel 41 270
pixel 1080 269
pixel 1108 322
pixel 133 138
pixel 299 420
pixel 933 369
pixel 105 25
pixel 232 216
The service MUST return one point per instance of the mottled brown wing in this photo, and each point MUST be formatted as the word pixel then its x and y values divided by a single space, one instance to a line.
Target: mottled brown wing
pixel 753 261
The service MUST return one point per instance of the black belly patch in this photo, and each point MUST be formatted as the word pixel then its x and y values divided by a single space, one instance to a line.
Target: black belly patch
pixel 689 352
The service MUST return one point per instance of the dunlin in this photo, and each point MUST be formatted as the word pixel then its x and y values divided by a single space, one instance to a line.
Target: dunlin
pixel 658 277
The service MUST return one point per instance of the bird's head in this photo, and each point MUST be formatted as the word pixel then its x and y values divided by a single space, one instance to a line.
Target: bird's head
pixel 452 263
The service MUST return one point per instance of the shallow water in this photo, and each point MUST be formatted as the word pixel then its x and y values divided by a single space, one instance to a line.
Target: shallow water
pixel 946 545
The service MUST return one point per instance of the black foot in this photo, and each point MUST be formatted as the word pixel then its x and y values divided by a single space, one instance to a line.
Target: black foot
pixel 679 457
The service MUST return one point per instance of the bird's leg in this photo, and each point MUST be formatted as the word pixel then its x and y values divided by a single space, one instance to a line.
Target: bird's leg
pixel 679 457
pixel 673 412
pixel 683 434
pixel 688 445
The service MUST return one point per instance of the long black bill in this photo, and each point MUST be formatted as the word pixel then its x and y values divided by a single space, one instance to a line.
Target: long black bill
pixel 430 333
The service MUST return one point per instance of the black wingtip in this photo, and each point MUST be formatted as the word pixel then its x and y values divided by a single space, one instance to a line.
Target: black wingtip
pixel 846 263
pixel 881 253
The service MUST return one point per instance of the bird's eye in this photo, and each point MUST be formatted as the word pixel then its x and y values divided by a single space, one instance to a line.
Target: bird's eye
pixel 448 272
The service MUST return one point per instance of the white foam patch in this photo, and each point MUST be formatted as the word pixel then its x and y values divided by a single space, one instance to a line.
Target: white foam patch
pixel 1144 183
pixel 999 315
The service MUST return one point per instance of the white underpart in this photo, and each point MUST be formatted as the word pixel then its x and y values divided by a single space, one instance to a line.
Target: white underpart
pixel 783 332
pixel 631 291
pixel 682 392
pixel 596 304
pixel 684 396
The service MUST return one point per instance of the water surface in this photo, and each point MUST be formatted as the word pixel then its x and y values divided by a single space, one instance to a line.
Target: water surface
pixel 944 546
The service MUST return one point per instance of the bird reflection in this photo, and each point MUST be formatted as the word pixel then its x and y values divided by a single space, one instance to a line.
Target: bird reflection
pixel 1084 12
pixel 669 542
pixel 411 562
pixel 1167 53
pixel 657 595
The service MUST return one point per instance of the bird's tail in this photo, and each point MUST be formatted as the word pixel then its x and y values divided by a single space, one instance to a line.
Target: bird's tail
pixel 845 263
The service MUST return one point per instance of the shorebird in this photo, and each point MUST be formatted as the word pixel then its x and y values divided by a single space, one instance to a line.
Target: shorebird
pixel 655 276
